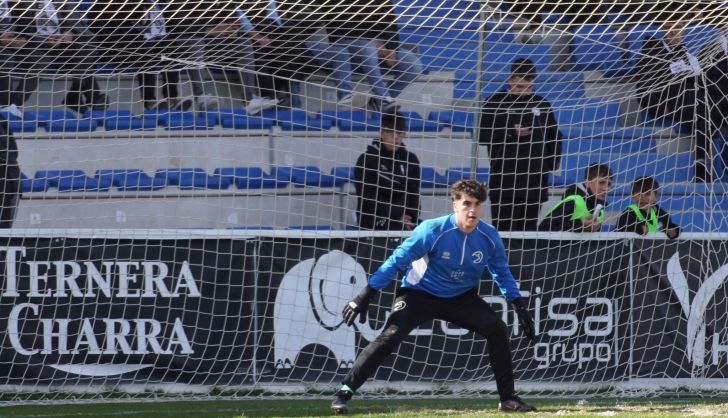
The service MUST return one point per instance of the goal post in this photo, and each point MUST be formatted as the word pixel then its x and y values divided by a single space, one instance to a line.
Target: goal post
pixel 180 209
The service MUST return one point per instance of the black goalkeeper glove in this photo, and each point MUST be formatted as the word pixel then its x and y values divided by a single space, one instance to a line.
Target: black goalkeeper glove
pixel 524 318
pixel 358 306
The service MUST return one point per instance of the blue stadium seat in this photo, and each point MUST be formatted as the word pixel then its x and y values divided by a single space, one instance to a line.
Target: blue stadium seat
pixel 31 186
pixel 698 36
pixel 301 176
pixel 217 115
pixel 68 125
pixel 20 126
pixel 71 180
pixel 449 57
pixel 245 122
pixel 249 178
pixel 100 116
pixel 191 178
pixel 136 123
pixel 299 120
pixel 343 175
pixel 616 146
pixel 598 48
pixel 430 178
pixel 500 56
pixel 130 179
pixel 415 123
pixel 636 38
pixel 627 167
pixel 451 14
pixel 463 173
pixel 185 121
pixel 48 115
pixel 698 221
pixel 554 86
pixel 599 114
pixel 311 227
pixel 352 120
pixel 458 121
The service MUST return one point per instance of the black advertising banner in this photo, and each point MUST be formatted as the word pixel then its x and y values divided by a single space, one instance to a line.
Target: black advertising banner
pixel 125 311
pixel 680 315
pixel 243 312
pixel 578 291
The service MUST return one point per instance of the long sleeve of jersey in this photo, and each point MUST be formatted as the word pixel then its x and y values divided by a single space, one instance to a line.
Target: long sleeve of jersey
pixel 413 248
pixel 501 273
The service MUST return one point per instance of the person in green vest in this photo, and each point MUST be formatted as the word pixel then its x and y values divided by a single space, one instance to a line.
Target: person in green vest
pixel 644 215
pixel 582 207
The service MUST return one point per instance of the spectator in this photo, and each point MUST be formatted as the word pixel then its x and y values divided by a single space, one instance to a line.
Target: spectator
pixel 281 54
pixel 387 180
pixel 582 207
pixel 39 36
pixel 644 215
pixel 134 34
pixel 356 25
pixel 9 175
pixel 524 144
pixel 669 85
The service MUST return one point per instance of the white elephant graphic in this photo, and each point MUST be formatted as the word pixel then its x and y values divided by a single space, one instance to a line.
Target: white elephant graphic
pixel 308 308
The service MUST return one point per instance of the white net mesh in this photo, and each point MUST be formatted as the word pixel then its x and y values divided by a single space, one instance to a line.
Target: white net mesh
pixel 192 186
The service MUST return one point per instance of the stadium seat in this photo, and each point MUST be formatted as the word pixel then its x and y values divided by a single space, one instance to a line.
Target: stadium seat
pixel 297 120
pixel 343 175
pixel 48 115
pixel 20 126
pixel 185 121
pixel 68 125
pixel 451 14
pixel 122 122
pixel 698 36
pixel 311 227
pixel 597 114
pixel 431 179
pixel 217 115
pixel 301 176
pixel 415 123
pixel 247 178
pixel 458 121
pixel 636 38
pixel 627 167
pixel 700 221
pixel 31 186
pixel 100 116
pixel 598 48
pixel 554 86
pixel 130 179
pixel 582 144
pixel 245 122
pixel 500 56
pixel 455 174
pixel 352 120
pixel 191 178
pixel 70 180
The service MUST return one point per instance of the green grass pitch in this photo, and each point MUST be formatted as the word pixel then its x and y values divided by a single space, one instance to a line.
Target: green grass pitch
pixel 652 407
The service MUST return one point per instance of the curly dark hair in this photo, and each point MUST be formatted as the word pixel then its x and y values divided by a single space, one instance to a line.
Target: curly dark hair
pixel 473 188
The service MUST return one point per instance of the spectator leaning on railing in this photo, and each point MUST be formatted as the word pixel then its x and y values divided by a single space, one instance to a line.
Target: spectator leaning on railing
pixel 42 37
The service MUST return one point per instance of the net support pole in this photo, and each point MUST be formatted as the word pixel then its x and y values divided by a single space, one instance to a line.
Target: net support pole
pixel 479 92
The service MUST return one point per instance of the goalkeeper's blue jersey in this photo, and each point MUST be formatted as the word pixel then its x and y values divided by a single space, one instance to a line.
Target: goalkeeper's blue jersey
pixel 445 262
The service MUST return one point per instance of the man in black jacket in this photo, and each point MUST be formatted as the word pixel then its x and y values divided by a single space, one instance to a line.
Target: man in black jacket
pixel 582 207
pixel 387 180
pixel 9 176
pixel 524 143
pixel 671 84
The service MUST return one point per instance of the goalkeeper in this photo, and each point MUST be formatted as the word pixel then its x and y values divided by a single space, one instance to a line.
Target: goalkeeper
pixel 445 259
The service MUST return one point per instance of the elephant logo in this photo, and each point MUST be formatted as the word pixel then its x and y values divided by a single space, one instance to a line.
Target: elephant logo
pixel 308 307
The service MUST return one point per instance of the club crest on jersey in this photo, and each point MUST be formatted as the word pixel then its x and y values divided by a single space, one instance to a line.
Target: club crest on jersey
pixel 446 255
pixel 399 306
pixel 477 257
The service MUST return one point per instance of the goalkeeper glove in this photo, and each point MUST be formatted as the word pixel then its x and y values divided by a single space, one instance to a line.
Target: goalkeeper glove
pixel 524 318
pixel 358 306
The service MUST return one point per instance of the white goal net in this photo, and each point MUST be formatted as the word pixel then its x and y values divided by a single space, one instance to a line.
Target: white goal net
pixel 192 191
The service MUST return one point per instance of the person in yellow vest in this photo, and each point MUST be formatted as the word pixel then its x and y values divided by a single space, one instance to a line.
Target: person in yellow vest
pixel 644 215
pixel 582 207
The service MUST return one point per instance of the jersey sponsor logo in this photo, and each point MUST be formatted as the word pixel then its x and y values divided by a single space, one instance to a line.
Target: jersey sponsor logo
pixel 695 311
pixel 477 257
pixel 446 255
pixel 399 306
pixel 314 292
